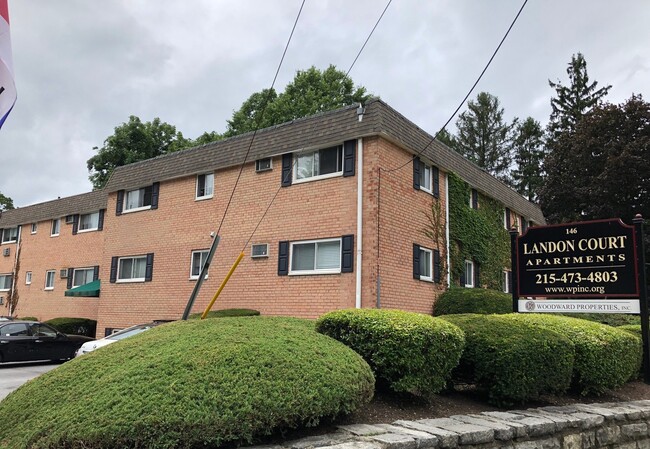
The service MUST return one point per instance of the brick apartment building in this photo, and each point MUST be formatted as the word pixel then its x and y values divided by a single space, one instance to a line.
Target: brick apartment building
pixel 337 234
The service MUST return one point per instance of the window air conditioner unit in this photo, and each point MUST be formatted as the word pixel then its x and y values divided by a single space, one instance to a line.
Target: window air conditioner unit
pixel 63 273
pixel 6 252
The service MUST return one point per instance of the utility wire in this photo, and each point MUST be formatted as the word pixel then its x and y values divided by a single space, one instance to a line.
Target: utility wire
pixel 368 38
pixel 460 105
pixel 259 119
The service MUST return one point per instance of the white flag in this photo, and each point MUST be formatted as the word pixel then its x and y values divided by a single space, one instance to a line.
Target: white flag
pixel 7 85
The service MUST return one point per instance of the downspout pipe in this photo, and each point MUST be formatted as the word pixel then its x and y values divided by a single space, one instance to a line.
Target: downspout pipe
pixel 359 238
pixel 447 229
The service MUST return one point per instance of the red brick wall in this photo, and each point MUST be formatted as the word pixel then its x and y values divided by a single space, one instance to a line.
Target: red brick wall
pixel 41 252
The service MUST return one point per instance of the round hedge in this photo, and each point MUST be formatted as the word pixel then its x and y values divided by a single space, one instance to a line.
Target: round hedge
pixel 189 384
pixel 606 357
pixel 407 351
pixel 632 328
pixel 225 313
pixel 511 360
pixel 75 326
pixel 472 300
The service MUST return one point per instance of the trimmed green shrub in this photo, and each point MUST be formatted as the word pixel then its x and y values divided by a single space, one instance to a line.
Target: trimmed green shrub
pixel 606 357
pixel 225 313
pixel 76 326
pixel 511 360
pixel 632 328
pixel 472 300
pixel 611 319
pixel 406 351
pixel 199 383
pixel 28 318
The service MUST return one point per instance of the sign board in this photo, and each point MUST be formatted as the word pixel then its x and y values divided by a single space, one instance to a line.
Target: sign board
pixel 594 259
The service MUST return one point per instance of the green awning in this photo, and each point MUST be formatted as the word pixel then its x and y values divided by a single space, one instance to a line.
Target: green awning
pixel 90 289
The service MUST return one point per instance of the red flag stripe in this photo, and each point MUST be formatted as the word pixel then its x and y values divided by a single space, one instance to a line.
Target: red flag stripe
pixel 4 10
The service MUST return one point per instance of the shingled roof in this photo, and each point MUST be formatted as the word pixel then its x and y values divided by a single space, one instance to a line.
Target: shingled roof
pixel 317 131
pixel 77 204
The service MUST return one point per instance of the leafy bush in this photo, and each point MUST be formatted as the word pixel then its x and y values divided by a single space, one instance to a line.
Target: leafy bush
pixel 225 313
pixel 632 328
pixel 511 360
pixel 76 326
pixel 611 319
pixel 472 300
pixel 199 383
pixel 606 357
pixel 406 351
pixel 28 318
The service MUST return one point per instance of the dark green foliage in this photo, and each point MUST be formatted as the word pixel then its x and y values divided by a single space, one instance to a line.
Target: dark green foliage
pixel 6 203
pixel 611 319
pixel 511 360
pixel 472 300
pixel 225 313
pixel 28 318
pixel 528 153
pixel 189 384
pixel 605 357
pixel 632 328
pixel 311 91
pixel 76 326
pixel 477 234
pixel 407 351
pixel 483 137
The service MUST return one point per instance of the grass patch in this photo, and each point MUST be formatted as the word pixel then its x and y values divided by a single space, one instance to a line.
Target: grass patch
pixel 198 383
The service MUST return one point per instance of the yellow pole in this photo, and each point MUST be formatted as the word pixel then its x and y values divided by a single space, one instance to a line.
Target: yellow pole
pixel 223 284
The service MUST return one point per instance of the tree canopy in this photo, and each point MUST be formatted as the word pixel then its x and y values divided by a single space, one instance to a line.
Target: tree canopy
pixel 6 203
pixel 310 92
pixel 528 152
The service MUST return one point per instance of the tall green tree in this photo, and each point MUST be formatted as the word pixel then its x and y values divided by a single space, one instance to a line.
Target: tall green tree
pixel 133 141
pixel 573 101
pixel 484 137
pixel 6 203
pixel 528 152
pixel 559 196
pixel 310 92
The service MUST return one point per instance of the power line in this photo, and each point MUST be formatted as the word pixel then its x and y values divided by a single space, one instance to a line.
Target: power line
pixel 368 38
pixel 460 105
pixel 259 119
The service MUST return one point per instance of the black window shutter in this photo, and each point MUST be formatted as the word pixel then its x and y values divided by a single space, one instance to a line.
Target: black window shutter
pixel 120 202
pixel 100 223
pixel 347 253
pixel 509 280
pixel 416 261
pixel 477 275
pixel 148 271
pixel 283 259
pixel 95 272
pixel 113 269
pixel 416 173
pixel 462 276
pixel 349 150
pixel 436 266
pixel 70 276
pixel 75 224
pixel 287 162
pixel 508 223
pixel 155 190
pixel 474 199
pixel 435 173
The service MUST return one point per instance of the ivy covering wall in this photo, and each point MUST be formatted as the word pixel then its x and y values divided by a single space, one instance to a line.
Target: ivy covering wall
pixel 477 234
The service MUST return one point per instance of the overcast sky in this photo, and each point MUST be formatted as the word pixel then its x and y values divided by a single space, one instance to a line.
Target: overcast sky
pixel 82 68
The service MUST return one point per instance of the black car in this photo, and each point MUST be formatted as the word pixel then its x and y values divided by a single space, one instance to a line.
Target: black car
pixel 22 341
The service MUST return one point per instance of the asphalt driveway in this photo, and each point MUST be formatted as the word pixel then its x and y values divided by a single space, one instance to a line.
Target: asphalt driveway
pixel 13 375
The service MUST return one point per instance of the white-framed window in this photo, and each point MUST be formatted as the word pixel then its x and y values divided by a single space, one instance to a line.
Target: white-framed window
pixel 89 222
pixel 198 260
pixel 138 199
pixel 5 282
pixel 315 257
pixel 260 250
pixel 426 264
pixel 263 164
pixel 10 235
pixel 426 182
pixel 469 274
pixel 34 228
pixel 319 164
pixel 205 186
pixel 131 269
pixel 28 278
pixel 56 227
pixel 507 281
pixel 49 279
pixel 82 276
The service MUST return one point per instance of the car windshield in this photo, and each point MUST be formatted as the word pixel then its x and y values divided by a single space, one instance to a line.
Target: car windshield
pixel 128 332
